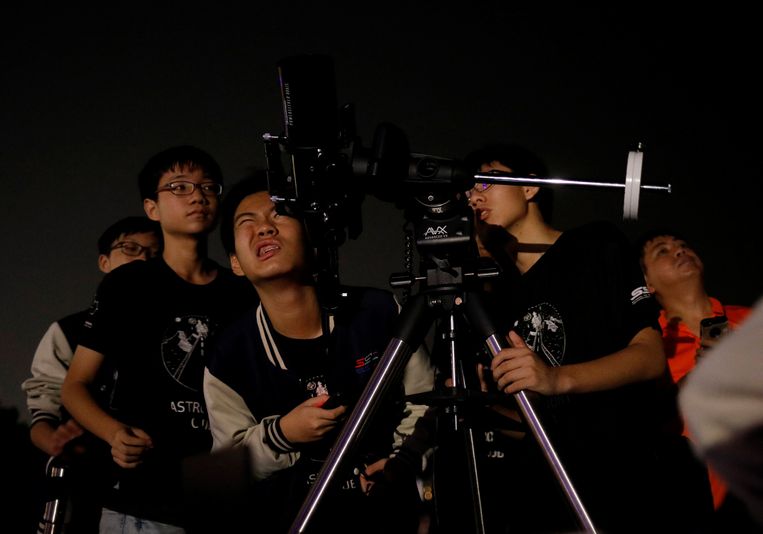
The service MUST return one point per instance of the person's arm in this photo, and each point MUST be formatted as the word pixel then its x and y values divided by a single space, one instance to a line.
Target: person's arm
pixel 51 439
pixel 128 444
pixel 274 441
pixel 43 390
pixel 519 368
pixel 411 443
pixel 418 377
pixel 49 364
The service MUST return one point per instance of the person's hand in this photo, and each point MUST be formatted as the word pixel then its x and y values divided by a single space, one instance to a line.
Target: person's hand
pixel 706 343
pixel 308 422
pixel 370 473
pixel 519 368
pixel 495 242
pixel 63 434
pixel 390 484
pixel 484 374
pixel 129 446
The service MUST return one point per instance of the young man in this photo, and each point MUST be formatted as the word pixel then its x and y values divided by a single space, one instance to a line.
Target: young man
pixel 272 372
pixel 154 323
pixel 128 239
pixel 51 429
pixel 674 274
pixel 585 341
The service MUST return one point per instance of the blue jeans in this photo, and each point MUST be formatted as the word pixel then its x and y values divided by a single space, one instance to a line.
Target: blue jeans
pixel 117 523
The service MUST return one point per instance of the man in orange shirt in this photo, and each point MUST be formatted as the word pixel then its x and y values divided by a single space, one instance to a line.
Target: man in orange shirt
pixel 674 274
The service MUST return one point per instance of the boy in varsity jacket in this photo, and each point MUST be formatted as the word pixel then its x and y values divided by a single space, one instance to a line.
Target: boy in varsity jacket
pixel 272 372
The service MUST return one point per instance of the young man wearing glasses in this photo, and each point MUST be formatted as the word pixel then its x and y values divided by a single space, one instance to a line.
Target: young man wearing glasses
pixel 155 322
pixel 51 429
pixel 128 239
pixel 586 343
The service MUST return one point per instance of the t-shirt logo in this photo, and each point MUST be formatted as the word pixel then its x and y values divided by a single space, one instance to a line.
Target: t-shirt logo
pixel 639 294
pixel 183 350
pixel 315 385
pixel 365 364
pixel 91 312
pixel 542 328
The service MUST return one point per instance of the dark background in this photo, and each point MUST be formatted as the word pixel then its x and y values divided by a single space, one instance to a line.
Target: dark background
pixel 88 95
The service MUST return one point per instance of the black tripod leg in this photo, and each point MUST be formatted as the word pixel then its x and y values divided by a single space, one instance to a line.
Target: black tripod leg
pixel 412 325
pixel 471 457
pixel 481 322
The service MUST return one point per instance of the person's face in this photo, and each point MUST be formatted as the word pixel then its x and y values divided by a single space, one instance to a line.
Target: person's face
pixel 268 245
pixel 668 260
pixel 127 248
pixel 183 214
pixel 501 205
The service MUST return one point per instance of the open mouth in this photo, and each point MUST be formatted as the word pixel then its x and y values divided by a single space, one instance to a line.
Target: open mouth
pixel 268 249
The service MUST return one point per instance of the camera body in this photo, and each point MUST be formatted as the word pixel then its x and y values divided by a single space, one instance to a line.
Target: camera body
pixel 319 172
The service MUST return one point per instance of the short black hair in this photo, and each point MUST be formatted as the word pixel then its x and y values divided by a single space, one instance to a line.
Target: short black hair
pixel 653 233
pixel 178 156
pixel 134 224
pixel 252 183
pixel 521 161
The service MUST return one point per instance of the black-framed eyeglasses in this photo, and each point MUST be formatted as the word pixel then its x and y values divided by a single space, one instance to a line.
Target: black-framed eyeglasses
pixel 183 188
pixel 479 187
pixel 131 248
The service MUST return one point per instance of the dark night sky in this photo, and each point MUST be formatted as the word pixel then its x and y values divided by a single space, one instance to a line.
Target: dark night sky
pixel 87 97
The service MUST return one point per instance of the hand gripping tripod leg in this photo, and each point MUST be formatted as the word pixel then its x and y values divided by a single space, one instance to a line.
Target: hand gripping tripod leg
pixel 414 322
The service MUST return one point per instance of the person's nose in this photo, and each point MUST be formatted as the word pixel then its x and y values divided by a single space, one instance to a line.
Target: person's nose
pixel 199 196
pixel 476 198
pixel 266 230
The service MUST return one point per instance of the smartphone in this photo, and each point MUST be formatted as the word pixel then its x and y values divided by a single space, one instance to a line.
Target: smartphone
pixel 713 327
pixel 333 401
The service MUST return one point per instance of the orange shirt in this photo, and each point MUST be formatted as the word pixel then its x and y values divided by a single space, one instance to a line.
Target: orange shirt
pixel 681 350
pixel 681 345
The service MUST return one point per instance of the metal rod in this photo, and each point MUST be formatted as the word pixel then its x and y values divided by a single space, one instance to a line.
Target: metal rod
pixel 505 179
pixel 534 423
pixel 393 360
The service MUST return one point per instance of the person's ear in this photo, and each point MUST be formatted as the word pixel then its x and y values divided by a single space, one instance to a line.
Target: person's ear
pixel 104 263
pixel 530 191
pixel 649 286
pixel 151 209
pixel 235 265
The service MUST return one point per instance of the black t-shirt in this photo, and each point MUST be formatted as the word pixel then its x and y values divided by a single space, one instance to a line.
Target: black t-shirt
pixel 583 299
pixel 157 330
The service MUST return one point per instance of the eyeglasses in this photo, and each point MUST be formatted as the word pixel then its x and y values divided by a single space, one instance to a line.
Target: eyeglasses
pixel 478 188
pixel 183 188
pixel 131 248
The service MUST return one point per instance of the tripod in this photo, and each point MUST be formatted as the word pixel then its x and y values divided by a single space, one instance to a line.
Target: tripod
pixel 415 320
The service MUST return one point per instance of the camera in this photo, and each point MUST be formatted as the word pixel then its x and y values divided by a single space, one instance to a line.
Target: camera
pixel 713 327
pixel 319 172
